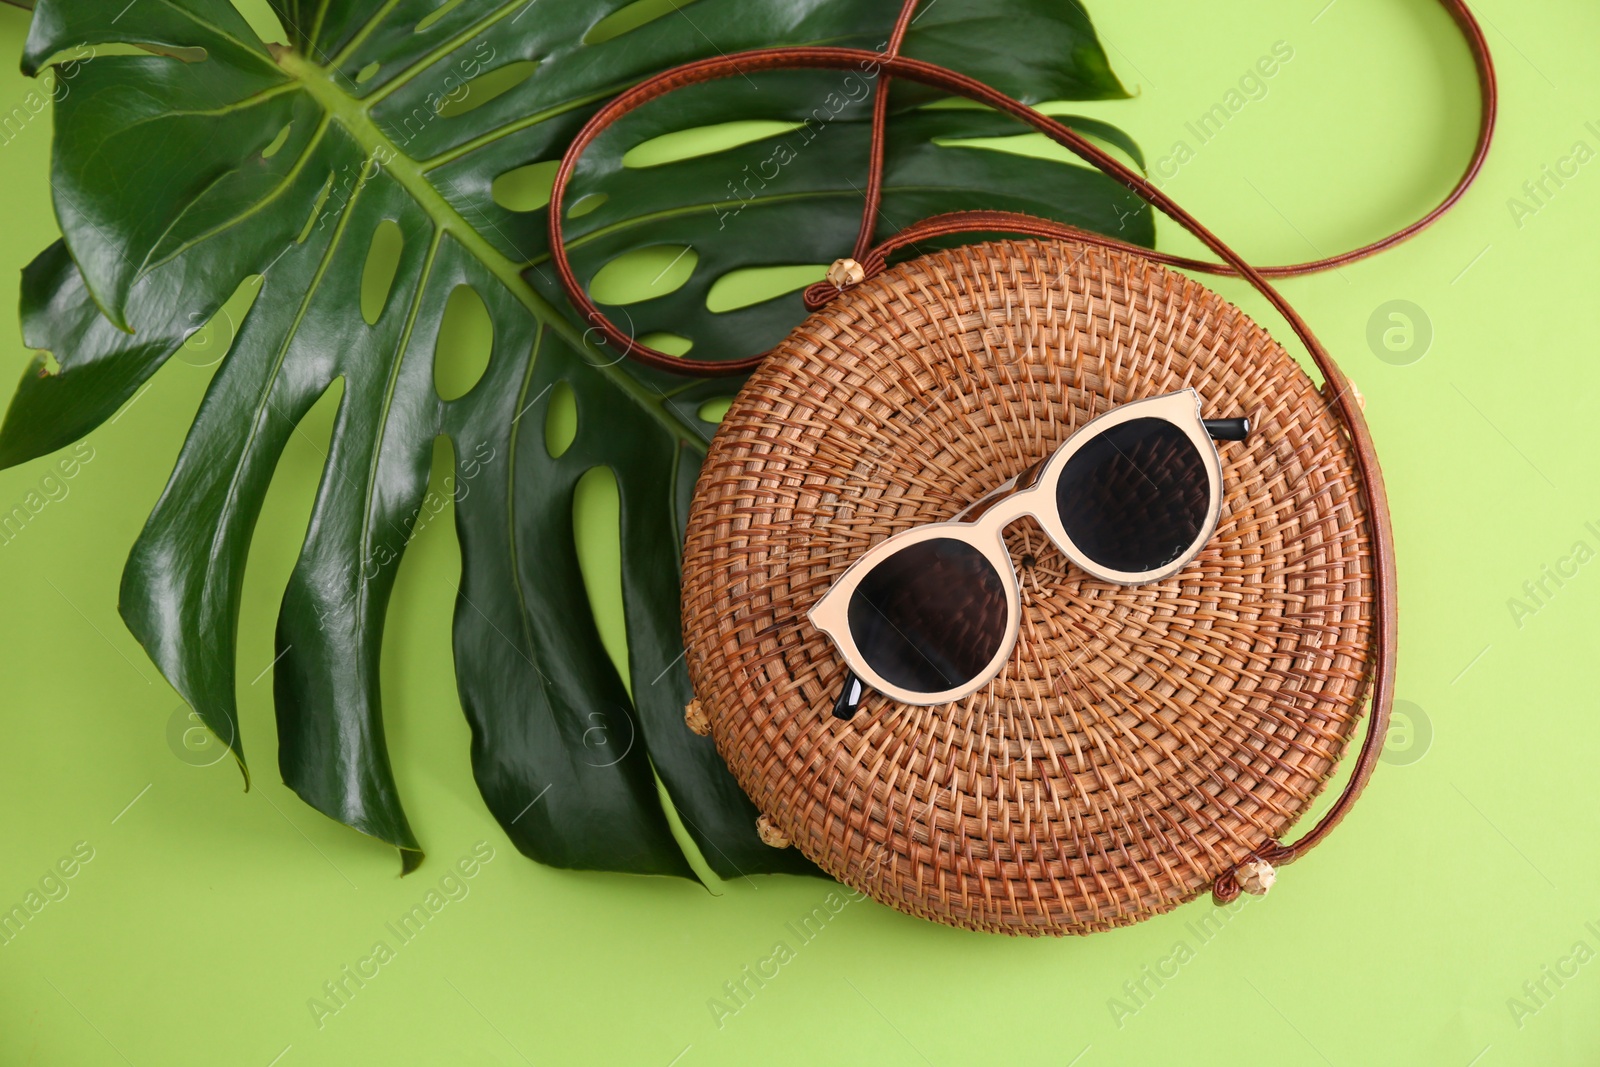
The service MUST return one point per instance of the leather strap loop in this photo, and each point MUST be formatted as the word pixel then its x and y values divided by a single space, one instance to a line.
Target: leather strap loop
pixel 887 64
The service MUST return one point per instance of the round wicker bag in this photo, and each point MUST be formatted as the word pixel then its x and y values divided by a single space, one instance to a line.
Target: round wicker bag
pixel 1142 740
pixel 1143 743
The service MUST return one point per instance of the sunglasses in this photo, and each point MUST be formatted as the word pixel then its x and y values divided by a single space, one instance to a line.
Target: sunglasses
pixel 931 614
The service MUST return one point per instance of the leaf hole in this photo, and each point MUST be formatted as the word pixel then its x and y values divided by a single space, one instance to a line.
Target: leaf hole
pixel 525 188
pixel 262 19
pixel 49 365
pixel 427 21
pixel 292 497
pixel 99 51
pixel 672 344
pixel 184 53
pixel 753 285
pixel 377 277
pixel 643 274
pixel 486 87
pixel 714 410
pixel 585 204
pixel 316 210
pixel 1038 146
pixel 560 420
pixel 466 339
pixel 277 142
pixel 366 73
pixel 702 141
pixel 631 17
pixel 597 532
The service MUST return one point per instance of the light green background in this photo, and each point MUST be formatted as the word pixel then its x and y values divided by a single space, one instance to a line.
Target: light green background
pixel 208 917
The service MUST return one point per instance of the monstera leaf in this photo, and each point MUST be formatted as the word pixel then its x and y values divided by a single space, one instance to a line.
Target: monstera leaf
pixel 376 175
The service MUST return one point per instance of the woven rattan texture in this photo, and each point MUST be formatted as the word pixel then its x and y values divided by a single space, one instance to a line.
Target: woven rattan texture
pixel 1141 740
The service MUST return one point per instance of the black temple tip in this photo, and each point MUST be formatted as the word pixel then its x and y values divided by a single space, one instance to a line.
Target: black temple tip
pixel 1227 429
pixel 849 697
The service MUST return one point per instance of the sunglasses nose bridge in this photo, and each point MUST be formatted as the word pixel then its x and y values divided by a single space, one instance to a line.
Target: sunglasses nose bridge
pixel 998 516
pixel 989 533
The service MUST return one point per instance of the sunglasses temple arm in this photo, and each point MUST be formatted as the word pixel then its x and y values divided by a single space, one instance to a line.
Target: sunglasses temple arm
pixel 849 697
pixel 1227 429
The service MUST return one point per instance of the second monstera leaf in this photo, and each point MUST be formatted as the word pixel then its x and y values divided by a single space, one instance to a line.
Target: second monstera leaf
pixel 195 164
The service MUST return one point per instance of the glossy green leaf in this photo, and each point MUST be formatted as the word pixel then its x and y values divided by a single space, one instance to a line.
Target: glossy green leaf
pixel 354 173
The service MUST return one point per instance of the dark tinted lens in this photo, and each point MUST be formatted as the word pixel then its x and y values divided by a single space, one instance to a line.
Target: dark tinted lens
pixel 931 616
pixel 1134 497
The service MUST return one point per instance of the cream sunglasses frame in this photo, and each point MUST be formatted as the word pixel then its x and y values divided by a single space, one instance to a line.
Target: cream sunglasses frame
pixel 982 525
